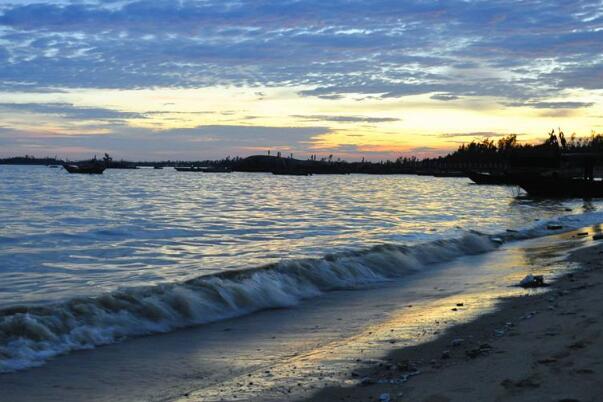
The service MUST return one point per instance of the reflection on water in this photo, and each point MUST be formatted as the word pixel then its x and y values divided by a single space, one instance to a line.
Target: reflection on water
pixel 63 235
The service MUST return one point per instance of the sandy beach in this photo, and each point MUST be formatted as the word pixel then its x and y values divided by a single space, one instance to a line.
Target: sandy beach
pixel 541 347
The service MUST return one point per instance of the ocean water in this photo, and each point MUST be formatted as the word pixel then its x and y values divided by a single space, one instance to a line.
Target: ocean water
pixel 91 260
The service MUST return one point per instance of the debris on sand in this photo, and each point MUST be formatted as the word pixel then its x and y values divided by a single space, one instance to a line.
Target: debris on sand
pixel 384 397
pixel 457 342
pixel 481 350
pixel 532 281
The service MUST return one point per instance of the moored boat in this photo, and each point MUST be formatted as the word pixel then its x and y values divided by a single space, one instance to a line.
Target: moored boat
pixel 492 178
pixel 556 187
pixel 95 168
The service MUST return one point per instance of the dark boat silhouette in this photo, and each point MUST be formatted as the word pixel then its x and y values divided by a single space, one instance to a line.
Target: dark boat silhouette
pixel 95 168
pixel 492 178
pixel 157 167
pixel 557 187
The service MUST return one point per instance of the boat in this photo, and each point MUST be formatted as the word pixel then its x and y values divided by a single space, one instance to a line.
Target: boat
pixel 95 168
pixel 557 187
pixel 157 167
pixel 492 178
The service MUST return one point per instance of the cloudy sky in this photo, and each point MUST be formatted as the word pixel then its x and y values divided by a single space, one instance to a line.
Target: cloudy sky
pixel 169 79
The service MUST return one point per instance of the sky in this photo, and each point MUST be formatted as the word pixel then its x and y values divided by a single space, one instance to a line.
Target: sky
pixel 378 79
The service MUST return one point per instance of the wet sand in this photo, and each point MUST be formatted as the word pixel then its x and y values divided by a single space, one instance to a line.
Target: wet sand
pixel 540 347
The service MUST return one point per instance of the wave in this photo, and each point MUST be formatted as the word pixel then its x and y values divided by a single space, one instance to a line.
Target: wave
pixel 30 335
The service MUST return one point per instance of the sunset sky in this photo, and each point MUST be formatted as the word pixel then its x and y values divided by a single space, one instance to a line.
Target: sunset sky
pixel 201 79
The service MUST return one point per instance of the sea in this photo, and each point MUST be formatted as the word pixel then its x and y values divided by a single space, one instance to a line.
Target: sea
pixel 91 260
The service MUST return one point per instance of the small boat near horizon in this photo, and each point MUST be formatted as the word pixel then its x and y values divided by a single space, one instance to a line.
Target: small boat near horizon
pixel 85 169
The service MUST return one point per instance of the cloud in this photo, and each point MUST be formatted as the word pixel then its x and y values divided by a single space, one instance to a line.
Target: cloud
pixel 521 56
pixel 265 136
pixel 386 48
pixel 585 73
pixel 346 119
pixel 68 110
pixel 423 149
pixel 203 142
pixel 444 97
pixel 490 134
pixel 551 105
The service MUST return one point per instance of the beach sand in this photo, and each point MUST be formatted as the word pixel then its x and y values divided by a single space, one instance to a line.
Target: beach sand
pixel 540 347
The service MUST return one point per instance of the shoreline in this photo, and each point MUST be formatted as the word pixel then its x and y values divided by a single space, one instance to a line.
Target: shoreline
pixel 538 347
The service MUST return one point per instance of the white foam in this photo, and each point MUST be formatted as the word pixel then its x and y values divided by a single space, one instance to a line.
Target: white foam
pixel 31 335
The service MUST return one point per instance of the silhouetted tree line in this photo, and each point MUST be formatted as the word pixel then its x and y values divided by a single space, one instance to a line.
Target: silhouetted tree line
pixel 508 151
pixel 487 153
pixel 30 160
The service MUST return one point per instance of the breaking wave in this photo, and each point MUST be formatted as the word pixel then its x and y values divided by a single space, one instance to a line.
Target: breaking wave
pixel 30 335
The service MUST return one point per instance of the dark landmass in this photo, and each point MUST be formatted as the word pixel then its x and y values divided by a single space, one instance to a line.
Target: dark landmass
pixel 30 160
pixel 505 155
